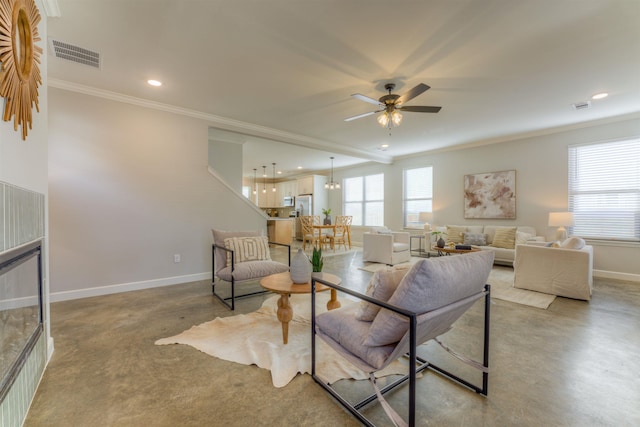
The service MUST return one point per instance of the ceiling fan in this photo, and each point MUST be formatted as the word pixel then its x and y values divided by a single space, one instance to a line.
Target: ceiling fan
pixel 390 105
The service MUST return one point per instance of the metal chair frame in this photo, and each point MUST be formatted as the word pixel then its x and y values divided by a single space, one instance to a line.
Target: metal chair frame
pixel 233 282
pixel 419 363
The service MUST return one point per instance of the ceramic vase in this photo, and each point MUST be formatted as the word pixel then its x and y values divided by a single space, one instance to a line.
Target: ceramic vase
pixel 327 220
pixel 300 269
pixel 440 242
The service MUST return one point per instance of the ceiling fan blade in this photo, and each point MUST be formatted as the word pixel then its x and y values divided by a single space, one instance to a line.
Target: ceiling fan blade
pixel 420 109
pixel 366 99
pixel 359 116
pixel 412 93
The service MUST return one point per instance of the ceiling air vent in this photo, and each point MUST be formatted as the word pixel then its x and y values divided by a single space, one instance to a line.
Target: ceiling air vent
pixel 75 54
pixel 583 105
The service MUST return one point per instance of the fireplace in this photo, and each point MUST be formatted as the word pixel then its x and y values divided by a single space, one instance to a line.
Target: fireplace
pixel 21 310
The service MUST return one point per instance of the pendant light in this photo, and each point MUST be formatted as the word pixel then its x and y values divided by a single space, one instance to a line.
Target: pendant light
pixel 331 185
pixel 264 179
pixel 255 186
pixel 274 178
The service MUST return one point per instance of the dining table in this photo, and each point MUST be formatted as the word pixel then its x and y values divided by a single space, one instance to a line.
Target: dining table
pixel 320 228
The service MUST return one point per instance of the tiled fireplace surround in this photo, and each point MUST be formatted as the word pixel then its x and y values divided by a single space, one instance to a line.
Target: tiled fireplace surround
pixel 21 222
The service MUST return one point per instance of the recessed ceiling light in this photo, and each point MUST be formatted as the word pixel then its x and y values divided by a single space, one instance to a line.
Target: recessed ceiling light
pixel 279 172
pixel 299 167
pixel 600 95
pixel 154 82
pixel 385 145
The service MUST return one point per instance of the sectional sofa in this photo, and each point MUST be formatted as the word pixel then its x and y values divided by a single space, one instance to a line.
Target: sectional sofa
pixel 501 240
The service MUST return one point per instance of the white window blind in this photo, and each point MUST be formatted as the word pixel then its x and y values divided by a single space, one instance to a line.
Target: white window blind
pixel 418 195
pixel 604 190
pixel 364 199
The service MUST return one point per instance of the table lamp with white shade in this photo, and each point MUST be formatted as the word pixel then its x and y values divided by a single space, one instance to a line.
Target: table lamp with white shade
pixel 561 220
pixel 426 217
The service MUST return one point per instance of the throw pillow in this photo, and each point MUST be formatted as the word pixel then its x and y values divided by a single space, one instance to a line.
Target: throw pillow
pixel 522 238
pixel 248 249
pixel 504 238
pixel 218 239
pixel 381 286
pixel 455 233
pixel 475 239
pixel 380 230
pixel 431 283
pixel 573 243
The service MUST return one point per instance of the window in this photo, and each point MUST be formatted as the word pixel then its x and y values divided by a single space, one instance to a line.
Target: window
pixel 604 190
pixel 418 195
pixel 364 199
pixel 246 191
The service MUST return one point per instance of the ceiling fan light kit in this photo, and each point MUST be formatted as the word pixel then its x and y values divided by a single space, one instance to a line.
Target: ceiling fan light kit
pixel 391 104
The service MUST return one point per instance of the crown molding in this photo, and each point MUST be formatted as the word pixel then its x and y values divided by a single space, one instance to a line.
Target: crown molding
pixel 527 135
pixel 225 123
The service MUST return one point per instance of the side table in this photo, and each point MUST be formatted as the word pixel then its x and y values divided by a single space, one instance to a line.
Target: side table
pixel 420 252
pixel 282 284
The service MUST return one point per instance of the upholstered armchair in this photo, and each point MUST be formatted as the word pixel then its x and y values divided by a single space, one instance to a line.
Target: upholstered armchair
pixel 399 312
pixel 241 256
pixel 566 270
pixel 386 247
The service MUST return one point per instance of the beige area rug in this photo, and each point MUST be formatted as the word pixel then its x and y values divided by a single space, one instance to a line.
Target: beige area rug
pixel 256 339
pixel 372 268
pixel 329 253
pixel 501 281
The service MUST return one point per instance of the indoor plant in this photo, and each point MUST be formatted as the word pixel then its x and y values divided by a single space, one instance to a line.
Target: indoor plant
pixel 316 260
pixel 327 218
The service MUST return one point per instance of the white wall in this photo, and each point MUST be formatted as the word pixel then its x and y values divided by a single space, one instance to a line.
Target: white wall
pixel 129 188
pixel 541 184
pixel 226 158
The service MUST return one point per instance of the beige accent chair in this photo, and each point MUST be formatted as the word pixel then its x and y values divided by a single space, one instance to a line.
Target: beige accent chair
pixel 554 270
pixel 386 246
pixel 398 313
pixel 228 266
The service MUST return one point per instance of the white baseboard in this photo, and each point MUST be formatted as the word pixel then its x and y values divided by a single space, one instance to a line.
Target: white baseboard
pixel 616 275
pixel 167 281
pixel 126 287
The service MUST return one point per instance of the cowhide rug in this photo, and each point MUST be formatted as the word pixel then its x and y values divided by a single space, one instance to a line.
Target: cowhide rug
pixel 256 339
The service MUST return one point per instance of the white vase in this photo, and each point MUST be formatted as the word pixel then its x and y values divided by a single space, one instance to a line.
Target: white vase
pixel 300 269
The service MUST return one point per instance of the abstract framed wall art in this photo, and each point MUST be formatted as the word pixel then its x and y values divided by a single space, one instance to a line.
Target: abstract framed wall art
pixel 490 195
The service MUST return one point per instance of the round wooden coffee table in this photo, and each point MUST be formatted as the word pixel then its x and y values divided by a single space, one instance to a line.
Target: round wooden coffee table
pixel 282 284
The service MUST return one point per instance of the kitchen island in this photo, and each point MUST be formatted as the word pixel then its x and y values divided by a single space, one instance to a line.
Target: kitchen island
pixel 280 230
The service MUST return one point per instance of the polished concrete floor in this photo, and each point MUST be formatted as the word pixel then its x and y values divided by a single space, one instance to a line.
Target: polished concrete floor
pixel 574 364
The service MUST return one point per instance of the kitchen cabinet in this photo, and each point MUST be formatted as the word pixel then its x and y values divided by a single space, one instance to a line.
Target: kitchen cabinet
pixel 305 185
pixel 288 188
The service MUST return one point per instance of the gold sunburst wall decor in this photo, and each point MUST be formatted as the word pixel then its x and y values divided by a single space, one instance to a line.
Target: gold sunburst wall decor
pixel 20 56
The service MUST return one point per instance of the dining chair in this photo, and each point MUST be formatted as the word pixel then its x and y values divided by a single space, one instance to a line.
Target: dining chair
pixel 308 232
pixel 343 231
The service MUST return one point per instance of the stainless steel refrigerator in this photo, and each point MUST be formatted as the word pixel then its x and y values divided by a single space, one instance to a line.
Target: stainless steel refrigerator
pixel 304 205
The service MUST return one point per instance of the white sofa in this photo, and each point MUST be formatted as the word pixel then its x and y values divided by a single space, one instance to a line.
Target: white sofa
pixel 555 270
pixel 386 246
pixel 502 255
